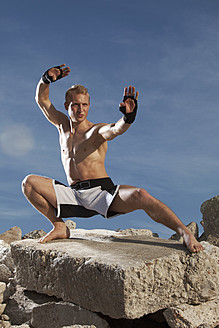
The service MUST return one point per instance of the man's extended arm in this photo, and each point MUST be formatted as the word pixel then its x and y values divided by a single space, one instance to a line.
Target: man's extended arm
pixel 129 108
pixel 42 94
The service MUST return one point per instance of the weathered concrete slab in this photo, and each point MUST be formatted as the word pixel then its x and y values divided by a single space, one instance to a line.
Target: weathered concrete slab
pixel 123 277
pixel 189 316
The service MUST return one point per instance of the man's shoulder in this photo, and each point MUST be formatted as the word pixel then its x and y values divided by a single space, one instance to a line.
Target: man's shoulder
pixel 96 126
pixel 99 125
pixel 64 124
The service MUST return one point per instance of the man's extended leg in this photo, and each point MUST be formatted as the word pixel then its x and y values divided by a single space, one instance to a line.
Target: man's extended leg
pixel 130 199
pixel 40 193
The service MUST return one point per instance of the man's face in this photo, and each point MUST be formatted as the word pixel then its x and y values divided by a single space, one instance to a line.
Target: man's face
pixel 78 107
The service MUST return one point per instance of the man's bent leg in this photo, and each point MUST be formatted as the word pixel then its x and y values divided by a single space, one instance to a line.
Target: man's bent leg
pixel 130 199
pixel 40 193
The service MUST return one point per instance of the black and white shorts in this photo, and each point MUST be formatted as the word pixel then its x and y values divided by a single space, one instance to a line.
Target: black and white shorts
pixel 85 198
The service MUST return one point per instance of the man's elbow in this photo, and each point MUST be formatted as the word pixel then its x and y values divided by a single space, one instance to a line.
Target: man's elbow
pixel 118 133
pixel 37 99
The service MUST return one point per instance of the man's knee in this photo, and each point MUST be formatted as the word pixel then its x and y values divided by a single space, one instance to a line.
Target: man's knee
pixel 150 204
pixel 141 196
pixel 28 183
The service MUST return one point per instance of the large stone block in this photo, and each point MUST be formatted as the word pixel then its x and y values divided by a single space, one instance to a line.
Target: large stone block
pixel 35 234
pixel 123 277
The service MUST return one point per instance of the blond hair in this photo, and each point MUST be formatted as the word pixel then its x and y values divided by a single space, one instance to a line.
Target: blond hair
pixel 77 88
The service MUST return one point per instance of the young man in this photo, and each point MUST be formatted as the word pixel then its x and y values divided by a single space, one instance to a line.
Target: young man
pixel 83 149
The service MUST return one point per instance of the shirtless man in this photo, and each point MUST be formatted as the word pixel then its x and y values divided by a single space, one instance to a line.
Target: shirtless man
pixel 83 149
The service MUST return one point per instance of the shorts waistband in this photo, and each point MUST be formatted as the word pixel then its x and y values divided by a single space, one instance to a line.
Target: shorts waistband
pixel 105 183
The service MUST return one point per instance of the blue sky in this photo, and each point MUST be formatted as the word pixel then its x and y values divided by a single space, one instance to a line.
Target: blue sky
pixel 168 49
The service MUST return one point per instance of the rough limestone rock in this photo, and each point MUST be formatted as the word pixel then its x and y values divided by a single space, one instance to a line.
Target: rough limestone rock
pixel 5 324
pixel 210 220
pixel 193 227
pixel 10 289
pixel 70 224
pixel 2 288
pixel 5 255
pixel 189 316
pixel 35 234
pixel 2 308
pixel 138 232
pixel 56 315
pixel 122 276
pixel 20 326
pixel 5 317
pixel 6 262
pixel 5 273
pixel 11 235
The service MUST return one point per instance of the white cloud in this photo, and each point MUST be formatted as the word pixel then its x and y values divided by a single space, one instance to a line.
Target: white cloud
pixel 16 140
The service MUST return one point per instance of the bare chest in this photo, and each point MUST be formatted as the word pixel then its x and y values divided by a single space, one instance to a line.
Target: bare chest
pixel 78 146
pixel 71 143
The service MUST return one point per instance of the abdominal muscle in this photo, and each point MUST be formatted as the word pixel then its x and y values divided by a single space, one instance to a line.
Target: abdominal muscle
pixel 85 170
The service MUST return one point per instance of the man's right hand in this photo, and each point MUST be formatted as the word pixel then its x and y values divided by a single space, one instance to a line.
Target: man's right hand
pixel 55 73
pixel 129 105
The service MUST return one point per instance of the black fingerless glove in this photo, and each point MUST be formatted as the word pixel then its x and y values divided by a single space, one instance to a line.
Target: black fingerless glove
pixel 129 117
pixel 48 79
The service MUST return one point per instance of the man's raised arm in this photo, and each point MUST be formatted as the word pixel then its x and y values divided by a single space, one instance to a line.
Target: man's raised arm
pixel 129 108
pixel 42 93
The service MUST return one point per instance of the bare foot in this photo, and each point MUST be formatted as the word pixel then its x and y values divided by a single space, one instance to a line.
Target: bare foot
pixel 60 231
pixel 191 243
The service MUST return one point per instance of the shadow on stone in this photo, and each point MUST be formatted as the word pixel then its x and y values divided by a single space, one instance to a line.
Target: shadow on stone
pixel 156 243
pixel 144 322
